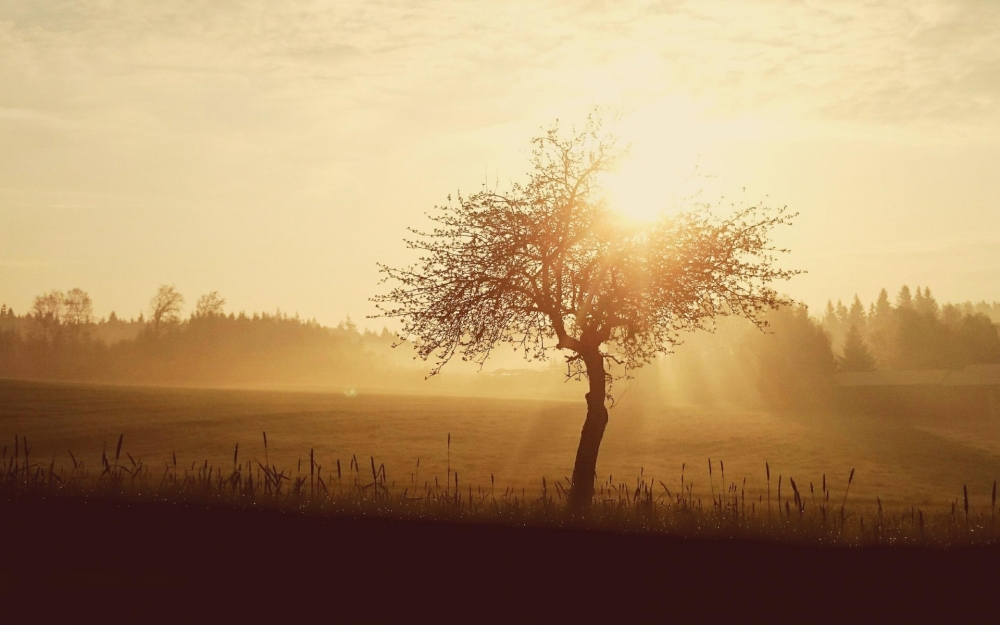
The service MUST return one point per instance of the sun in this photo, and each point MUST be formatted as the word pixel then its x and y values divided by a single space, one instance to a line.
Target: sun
pixel 650 187
pixel 660 170
pixel 639 192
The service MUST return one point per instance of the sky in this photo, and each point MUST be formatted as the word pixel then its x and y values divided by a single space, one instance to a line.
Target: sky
pixel 276 151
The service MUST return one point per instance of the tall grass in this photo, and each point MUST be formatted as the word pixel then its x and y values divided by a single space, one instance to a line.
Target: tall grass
pixel 644 505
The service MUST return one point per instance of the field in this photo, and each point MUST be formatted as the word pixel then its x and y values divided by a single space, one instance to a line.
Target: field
pixel 207 529
pixel 518 442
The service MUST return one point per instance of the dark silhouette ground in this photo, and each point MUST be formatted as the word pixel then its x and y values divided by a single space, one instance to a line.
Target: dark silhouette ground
pixel 196 563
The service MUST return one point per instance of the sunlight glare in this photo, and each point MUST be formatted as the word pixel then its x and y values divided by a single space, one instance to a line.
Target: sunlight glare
pixel 643 190
pixel 659 170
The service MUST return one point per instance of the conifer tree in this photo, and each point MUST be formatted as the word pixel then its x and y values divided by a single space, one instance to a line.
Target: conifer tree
pixel 856 315
pixel 904 299
pixel 883 309
pixel 830 317
pixel 880 330
pixel 857 356
pixel 842 315
pixel 925 303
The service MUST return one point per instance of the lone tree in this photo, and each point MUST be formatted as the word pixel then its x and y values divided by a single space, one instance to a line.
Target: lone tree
pixel 550 265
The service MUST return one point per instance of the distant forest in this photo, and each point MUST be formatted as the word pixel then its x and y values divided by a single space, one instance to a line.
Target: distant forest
pixel 790 363
pixel 61 339
pixel 913 333
pixel 794 361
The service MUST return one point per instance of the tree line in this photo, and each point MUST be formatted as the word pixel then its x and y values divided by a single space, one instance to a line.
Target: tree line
pixel 60 338
pixel 912 332
pixel 794 363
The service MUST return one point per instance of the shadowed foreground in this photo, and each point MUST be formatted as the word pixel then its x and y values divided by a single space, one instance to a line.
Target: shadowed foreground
pixel 351 569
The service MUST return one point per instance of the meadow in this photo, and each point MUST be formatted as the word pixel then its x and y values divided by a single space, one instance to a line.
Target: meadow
pixel 511 445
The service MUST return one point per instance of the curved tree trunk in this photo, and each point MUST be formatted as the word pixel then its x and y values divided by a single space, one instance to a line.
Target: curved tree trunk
pixel 585 470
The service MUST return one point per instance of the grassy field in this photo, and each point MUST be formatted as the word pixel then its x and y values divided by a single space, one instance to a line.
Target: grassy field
pixel 516 441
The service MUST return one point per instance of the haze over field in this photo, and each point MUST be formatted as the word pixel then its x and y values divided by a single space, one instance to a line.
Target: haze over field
pixel 276 151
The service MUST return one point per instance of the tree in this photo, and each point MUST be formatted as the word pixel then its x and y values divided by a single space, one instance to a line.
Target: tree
pixel 925 303
pixel 165 307
pixel 830 320
pixel 79 313
pixel 837 319
pixel 857 356
pixel 795 365
pixel 856 314
pixel 48 311
pixel 974 340
pixel 881 331
pixel 549 265
pixel 79 308
pixel 904 299
pixel 209 305
pixel 882 309
pixel 842 315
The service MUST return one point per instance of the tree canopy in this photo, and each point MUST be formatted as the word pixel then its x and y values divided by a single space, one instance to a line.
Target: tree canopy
pixel 550 264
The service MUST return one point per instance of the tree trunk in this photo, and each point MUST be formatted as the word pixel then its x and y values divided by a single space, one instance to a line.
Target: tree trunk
pixel 585 470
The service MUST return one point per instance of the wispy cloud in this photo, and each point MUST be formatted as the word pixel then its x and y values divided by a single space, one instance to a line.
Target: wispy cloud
pixel 883 62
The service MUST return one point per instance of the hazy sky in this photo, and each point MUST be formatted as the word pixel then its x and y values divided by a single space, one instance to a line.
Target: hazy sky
pixel 275 151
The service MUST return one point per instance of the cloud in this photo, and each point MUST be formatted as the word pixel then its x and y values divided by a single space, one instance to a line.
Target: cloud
pixel 882 62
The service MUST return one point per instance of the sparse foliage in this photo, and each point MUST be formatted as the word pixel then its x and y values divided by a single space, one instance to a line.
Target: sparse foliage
pixel 48 312
pixel 79 308
pixel 165 307
pixel 210 304
pixel 79 312
pixel 56 315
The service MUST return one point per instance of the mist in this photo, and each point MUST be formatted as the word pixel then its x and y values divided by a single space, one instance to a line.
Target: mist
pixel 406 311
